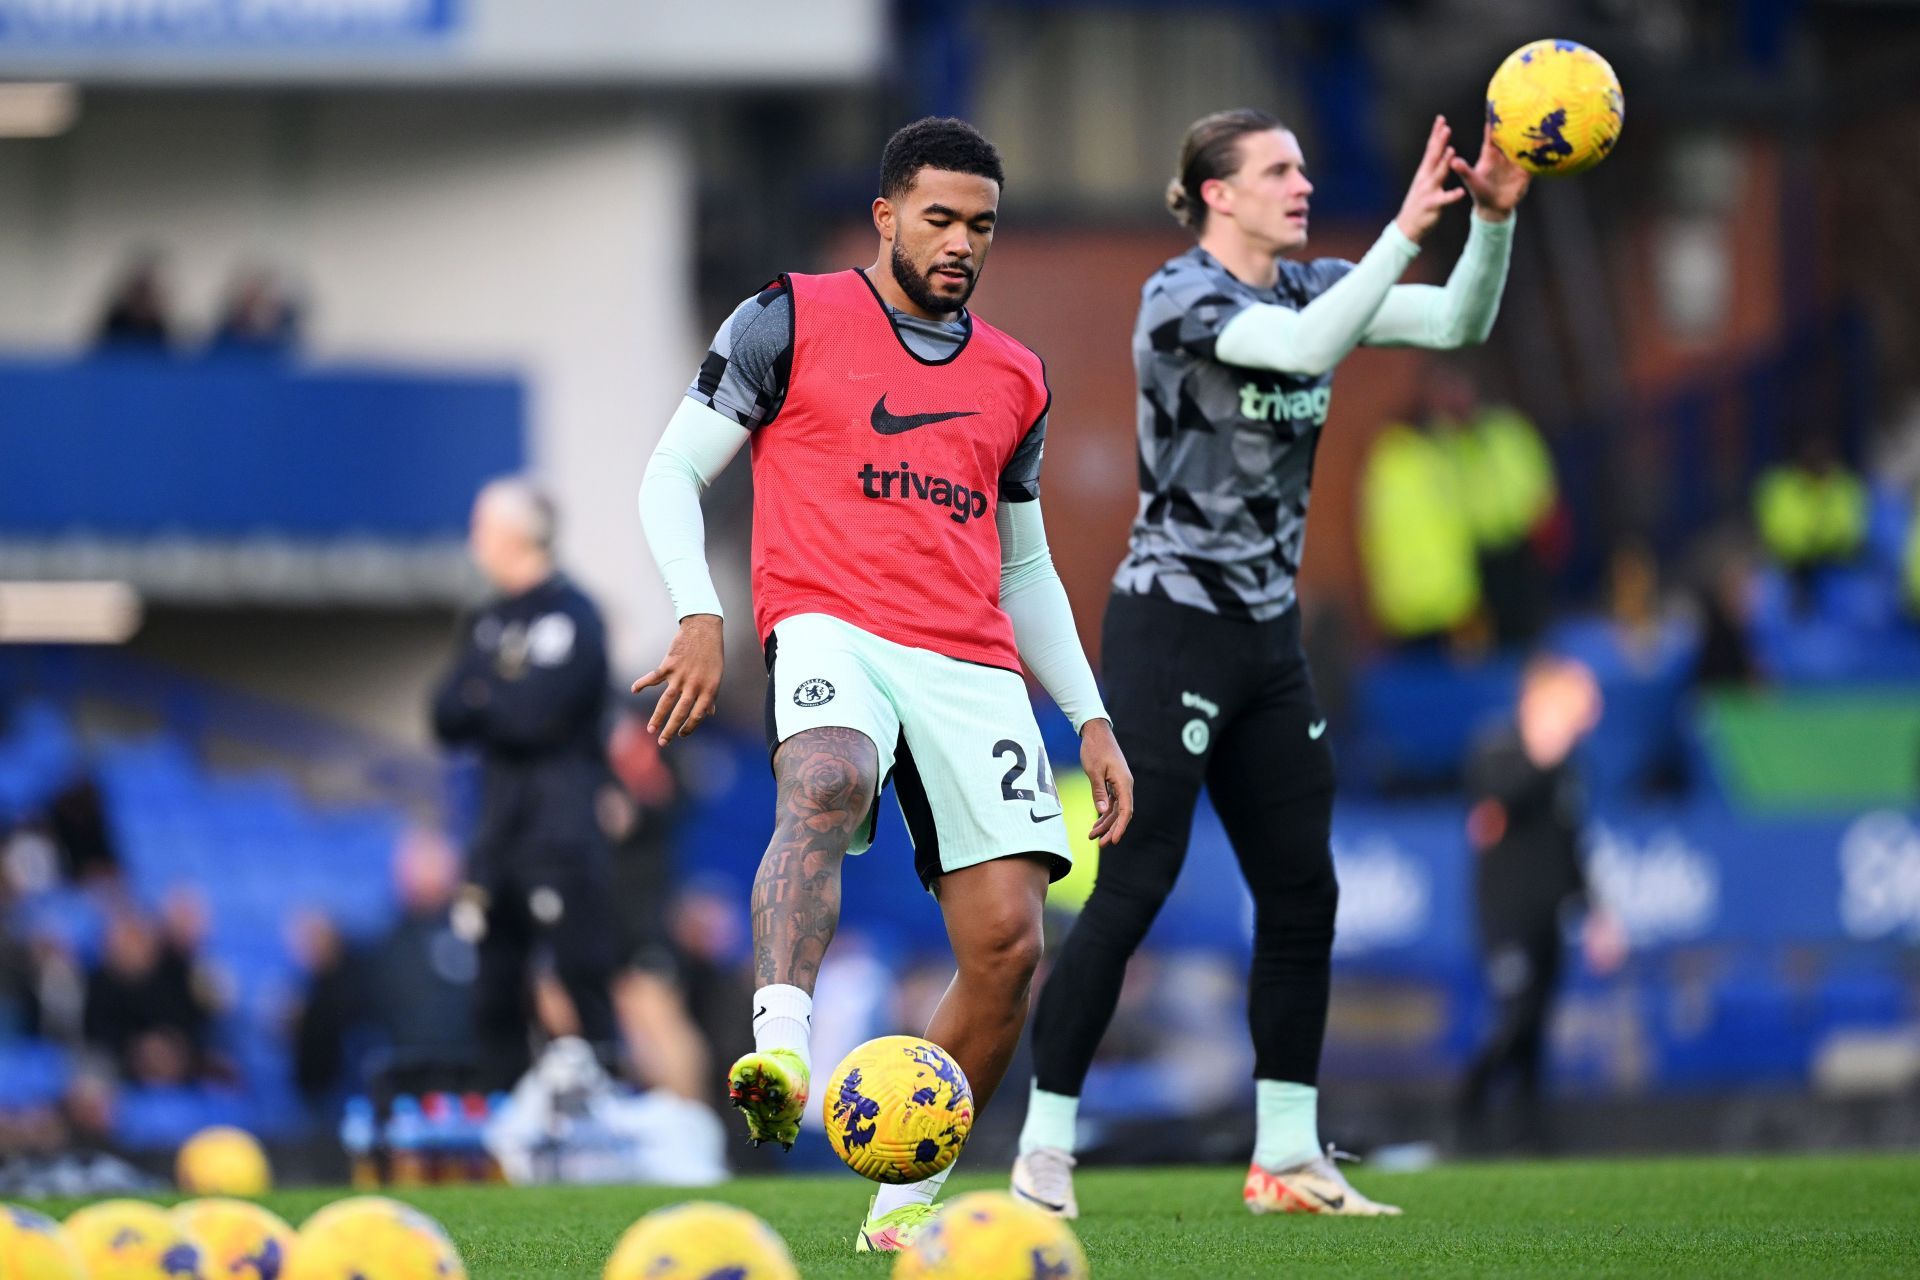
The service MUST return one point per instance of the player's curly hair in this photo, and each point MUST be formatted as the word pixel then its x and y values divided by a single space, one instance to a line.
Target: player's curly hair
pixel 936 142
pixel 1211 150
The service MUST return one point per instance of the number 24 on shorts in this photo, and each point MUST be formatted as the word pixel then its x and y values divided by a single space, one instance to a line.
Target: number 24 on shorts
pixel 1009 783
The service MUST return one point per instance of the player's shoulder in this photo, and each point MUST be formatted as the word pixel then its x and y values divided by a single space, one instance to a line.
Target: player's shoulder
pixel 1019 352
pixel 775 297
pixel 1192 287
pixel 1305 281
pixel 1185 277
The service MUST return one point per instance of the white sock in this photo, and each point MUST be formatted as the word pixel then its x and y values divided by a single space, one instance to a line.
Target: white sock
pixel 1051 1120
pixel 782 1018
pixel 1287 1122
pixel 893 1195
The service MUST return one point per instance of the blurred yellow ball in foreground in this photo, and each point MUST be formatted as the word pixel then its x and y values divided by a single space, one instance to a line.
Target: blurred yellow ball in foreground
pixel 134 1240
pixel 223 1161
pixel 1555 107
pixel 373 1238
pixel 898 1109
pixel 697 1241
pixel 241 1240
pixel 33 1247
pixel 988 1235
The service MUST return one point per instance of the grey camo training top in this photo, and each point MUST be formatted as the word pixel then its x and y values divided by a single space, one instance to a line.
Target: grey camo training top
pixel 1226 453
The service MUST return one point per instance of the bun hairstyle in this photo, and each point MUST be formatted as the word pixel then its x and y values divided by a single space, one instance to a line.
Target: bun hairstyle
pixel 1211 150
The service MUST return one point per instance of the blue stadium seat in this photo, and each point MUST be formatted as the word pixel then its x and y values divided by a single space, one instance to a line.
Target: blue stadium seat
pixel 32 1073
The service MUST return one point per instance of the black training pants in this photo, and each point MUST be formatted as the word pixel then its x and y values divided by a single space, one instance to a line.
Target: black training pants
pixel 1200 700
pixel 562 903
pixel 1523 974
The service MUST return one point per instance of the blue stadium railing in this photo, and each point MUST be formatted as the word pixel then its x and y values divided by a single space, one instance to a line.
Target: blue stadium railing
pixel 129 447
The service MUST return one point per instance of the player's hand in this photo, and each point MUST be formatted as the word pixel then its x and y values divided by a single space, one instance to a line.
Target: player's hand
pixel 1497 183
pixel 1112 781
pixel 691 673
pixel 1429 194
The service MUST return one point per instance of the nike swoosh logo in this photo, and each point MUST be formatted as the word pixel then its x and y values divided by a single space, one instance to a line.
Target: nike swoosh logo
pixel 893 424
pixel 1044 817
pixel 761 1012
pixel 1336 1203
pixel 1048 1205
pixel 1315 729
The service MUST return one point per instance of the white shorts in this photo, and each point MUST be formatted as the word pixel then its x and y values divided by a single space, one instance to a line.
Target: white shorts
pixel 957 739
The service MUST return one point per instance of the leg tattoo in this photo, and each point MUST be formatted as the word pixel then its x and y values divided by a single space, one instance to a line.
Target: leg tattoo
pixel 827 783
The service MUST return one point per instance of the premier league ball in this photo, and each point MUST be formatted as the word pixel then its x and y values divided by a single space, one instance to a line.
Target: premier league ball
pixel 133 1240
pixel 1555 107
pixel 33 1247
pixel 988 1235
pixel 373 1238
pixel 223 1161
pixel 241 1240
pixel 698 1241
pixel 898 1109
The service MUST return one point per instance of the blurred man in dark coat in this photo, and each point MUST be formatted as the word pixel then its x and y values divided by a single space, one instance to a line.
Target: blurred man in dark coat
pixel 528 691
pixel 1524 825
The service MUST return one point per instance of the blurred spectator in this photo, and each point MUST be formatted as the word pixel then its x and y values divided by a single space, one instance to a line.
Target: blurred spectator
pixel 707 923
pixel 148 1003
pixel 1910 567
pixel 409 993
pixel 527 690
pixel 637 810
pixel 79 828
pixel 1811 513
pixel 260 318
pixel 136 317
pixel 1506 481
pixel 19 997
pixel 1416 538
pixel 1633 598
pixel 1524 824
pixel 325 1020
pixel 421 973
pixel 1723 593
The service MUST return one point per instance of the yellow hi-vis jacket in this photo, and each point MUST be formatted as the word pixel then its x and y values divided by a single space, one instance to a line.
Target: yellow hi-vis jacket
pixel 1415 537
pixel 1506 477
pixel 1808 519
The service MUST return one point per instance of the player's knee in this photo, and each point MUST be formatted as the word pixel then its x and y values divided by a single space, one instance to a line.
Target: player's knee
pixel 1303 909
pixel 1006 953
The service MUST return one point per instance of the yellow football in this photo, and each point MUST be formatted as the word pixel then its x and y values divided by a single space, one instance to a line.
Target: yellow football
pixel 241 1240
pixel 1555 107
pixel 33 1247
pixel 223 1161
pixel 699 1241
pixel 134 1240
pixel 373 1238
pixel 898 1109
pixel 988 1235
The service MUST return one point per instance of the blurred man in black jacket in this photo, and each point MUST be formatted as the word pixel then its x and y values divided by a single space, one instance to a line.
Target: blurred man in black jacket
pixel 1524 825
pixel 528 691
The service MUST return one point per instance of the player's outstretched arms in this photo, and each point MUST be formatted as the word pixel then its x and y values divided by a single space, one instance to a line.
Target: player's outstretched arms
pixel 1112 781
pixel 691 674
pixel 1311 341
pixel 1462 313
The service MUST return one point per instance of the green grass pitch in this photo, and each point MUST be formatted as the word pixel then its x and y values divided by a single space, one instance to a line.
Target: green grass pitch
pixel 1852 1216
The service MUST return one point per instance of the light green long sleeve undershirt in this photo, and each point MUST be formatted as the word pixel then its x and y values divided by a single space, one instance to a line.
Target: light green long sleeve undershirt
pixel 1368 306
